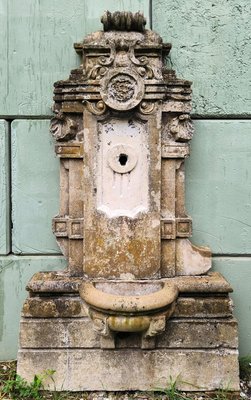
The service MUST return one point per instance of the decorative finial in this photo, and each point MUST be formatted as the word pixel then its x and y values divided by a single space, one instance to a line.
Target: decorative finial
pixel 123 21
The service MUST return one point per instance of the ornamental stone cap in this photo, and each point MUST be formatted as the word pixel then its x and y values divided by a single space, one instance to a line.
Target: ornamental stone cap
pixel 122 30
pixel 123 21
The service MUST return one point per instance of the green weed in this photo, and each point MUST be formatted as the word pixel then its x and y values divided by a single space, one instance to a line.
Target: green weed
pixel 171 391
pixel 18 388
pixel 245 368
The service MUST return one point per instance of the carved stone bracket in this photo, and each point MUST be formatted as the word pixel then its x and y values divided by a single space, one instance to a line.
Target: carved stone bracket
pixel 174 150
pixel 98 108
pixel 178 129
pixel 176 228
pixel 181 128
pixel 63 127
pixel 68 227
pixel 69 150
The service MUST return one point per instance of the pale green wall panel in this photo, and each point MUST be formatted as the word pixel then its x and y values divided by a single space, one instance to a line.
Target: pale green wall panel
pixel 4 65
pixel 212 47
pixel 39 47
pixel 35 187
pixel 218 185
pixel 238 272
pixel 15 273
pixel 4 189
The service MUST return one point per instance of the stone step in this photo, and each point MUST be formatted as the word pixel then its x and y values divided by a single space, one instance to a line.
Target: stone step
pixel 132 369
pixel 66 306
pixel 79 333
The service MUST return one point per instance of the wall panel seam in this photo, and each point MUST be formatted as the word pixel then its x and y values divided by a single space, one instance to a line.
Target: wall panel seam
pixel 194 116
pixel 10 184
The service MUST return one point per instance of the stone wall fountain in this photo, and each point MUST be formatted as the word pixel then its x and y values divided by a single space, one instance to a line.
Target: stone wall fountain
pixel 136 303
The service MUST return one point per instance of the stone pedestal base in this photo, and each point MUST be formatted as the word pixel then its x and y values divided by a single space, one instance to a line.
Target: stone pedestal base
pixel 198 348
pixel 133 369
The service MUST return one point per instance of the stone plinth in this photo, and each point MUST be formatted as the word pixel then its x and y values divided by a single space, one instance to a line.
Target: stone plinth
pixel 199 346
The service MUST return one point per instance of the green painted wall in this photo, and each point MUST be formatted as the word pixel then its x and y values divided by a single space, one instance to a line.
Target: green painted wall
pixel 211 46
pixel 237 271
pixel 34 201
pixel 15 272
pixel 38 39
pixel 218 185
pixel 4 187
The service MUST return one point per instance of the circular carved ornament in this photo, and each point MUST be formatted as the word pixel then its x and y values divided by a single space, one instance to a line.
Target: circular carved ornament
pixel 122 89
pixel 122 158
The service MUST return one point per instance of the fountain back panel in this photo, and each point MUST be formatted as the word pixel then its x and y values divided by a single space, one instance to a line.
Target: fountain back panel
pixel 136 303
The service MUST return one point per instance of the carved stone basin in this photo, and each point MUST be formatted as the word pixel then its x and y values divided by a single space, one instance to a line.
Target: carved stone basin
pixel 129 297
pixel 129 306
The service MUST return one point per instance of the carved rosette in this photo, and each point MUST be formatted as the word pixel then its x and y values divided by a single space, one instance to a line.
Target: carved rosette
pixel 122 89
pixel 181 128
pixel 62 127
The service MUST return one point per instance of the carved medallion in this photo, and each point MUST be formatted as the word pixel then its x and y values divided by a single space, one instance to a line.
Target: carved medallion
pixel 122 89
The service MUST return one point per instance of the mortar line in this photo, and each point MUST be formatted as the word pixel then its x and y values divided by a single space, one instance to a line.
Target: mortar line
pixel 227 350
pixel 12 117
pixel 31 255
pixel 150 14
pixel 216 255
pixel 233 255
pixel 221 117
pixel 10 184
pixel 193 116
pixel 213 255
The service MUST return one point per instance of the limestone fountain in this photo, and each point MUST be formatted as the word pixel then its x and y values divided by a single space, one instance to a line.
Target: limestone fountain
pixel 136 304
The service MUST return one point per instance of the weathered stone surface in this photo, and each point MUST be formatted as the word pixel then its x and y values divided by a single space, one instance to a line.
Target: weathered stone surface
pixel 197 307
pixel 191 259
pixel 199 334
pixel 129 142
pixel 53 282
pixel 132 369
pixel 212 282
pixel 65 307
pixel 122 224
pixel 79 333
pixel 70 333
pixel 58 282
pixel 49 307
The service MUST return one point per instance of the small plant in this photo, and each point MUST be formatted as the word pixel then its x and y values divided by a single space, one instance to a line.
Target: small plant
pixel 18 388
pixel 55 395
pixel 221 394
pixel 245 368
pixel 171 390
